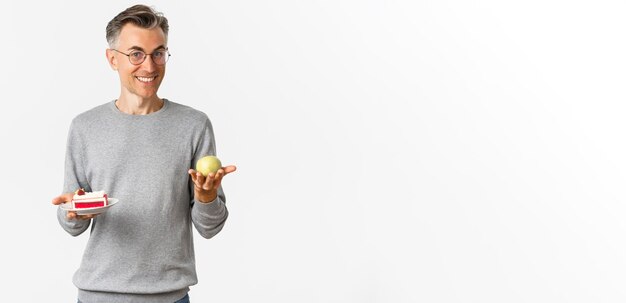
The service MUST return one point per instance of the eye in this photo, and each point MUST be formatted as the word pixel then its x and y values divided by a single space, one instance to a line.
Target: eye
pixel 137 55
pixel 159 53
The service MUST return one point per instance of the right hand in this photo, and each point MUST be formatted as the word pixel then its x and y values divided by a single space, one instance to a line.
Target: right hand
pixel 71 215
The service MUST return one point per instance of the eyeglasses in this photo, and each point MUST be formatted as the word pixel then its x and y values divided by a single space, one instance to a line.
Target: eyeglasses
pixel 136 57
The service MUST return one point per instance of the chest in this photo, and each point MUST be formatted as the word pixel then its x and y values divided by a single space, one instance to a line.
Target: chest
pixel 131 151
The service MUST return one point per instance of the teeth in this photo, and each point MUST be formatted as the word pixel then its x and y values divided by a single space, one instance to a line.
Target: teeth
pixel 144 79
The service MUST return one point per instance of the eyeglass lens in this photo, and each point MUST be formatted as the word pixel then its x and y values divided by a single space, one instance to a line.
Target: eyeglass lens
pixel 159 57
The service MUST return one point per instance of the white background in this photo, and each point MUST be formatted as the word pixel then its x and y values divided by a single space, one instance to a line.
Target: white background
pixel 388 151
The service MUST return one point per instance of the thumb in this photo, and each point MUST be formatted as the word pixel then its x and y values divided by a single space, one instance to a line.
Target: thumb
pixel 229 169
pixel 62 198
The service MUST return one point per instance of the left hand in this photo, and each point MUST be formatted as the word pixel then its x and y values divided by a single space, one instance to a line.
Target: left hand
pixel 205 188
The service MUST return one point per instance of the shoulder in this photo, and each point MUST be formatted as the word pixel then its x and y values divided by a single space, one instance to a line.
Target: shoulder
pixel 188 114
pixel 92 116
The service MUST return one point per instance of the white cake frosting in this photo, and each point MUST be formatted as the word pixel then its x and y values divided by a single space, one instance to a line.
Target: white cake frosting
pixel 90 195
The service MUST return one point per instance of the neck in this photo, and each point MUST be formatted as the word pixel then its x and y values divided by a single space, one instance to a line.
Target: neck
pixel 135 105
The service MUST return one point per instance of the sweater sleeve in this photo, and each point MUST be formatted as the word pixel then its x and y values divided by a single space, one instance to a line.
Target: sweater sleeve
pixel 74 178
pixel 208 218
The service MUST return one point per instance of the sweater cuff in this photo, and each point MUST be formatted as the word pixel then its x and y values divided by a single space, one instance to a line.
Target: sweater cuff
pixel 214 206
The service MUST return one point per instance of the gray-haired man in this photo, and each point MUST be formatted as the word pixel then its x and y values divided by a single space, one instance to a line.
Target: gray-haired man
pixel 139 148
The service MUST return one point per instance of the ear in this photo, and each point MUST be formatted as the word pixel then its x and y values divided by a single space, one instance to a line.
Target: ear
pixel 110 54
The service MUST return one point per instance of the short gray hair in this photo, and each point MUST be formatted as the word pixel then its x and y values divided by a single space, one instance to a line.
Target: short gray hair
pixel 139 15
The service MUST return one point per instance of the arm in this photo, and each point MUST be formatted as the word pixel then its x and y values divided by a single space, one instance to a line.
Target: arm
pixel 74 178
pixel 208 204
pixel 75 226
pixel 209 218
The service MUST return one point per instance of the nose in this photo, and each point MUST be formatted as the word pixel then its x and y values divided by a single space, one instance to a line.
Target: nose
pixel 149 64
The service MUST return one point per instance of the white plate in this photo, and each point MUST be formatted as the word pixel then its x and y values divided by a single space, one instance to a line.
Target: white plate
pixel 89 211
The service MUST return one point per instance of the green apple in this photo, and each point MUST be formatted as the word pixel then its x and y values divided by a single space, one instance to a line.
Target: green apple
pixel 208 164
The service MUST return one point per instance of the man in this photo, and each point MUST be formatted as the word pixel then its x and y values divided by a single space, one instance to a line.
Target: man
pixel 138 149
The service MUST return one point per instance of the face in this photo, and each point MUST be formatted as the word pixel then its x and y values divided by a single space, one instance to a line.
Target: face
pixel 142 80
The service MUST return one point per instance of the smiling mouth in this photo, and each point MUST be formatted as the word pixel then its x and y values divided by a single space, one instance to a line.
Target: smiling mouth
pixel 146 79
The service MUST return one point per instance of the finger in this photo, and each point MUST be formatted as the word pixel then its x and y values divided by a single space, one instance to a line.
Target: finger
pixel 193 175
pixel 220 174
pixel 200 179
pixel 218 182
pixel 58 200
pixel 62 199
pixel 71 215
pixel 208 183
pixel 217 178
pixel 229 169
pixel 86 217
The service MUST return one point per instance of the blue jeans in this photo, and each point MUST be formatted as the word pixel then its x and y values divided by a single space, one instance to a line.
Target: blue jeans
pixel 185 299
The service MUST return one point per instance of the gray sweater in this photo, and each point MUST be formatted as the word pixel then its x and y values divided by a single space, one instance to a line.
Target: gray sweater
pixel 141 249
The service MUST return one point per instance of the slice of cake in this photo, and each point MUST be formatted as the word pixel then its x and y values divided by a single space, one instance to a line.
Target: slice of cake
pixel 84 199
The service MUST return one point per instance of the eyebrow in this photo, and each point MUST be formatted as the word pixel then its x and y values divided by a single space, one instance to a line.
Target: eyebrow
pixel 141 48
